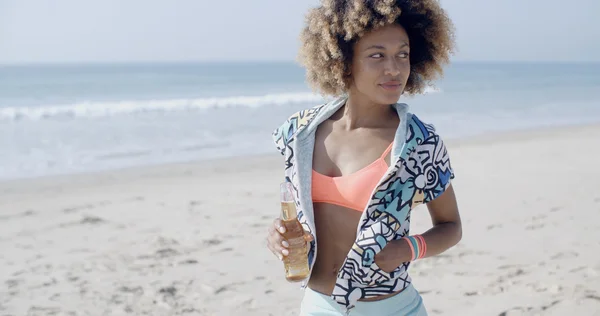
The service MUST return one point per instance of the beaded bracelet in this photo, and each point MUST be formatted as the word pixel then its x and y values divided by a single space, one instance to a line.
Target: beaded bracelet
pixel 417 245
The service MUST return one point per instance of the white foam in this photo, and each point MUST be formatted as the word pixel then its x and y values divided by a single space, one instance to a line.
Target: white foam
pixel 104 109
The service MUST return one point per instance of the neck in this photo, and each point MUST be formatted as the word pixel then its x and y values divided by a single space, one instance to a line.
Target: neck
pixel 359 112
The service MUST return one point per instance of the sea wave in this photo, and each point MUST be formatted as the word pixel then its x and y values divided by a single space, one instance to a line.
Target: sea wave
pixel 105 109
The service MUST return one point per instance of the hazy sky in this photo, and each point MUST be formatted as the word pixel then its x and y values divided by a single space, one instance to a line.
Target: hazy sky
pixel 201 30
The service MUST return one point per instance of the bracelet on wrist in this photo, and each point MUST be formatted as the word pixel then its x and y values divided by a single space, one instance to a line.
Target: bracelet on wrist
pixel 417 245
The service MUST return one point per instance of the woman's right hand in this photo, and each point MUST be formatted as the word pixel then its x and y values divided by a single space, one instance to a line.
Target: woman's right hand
pixel 276 241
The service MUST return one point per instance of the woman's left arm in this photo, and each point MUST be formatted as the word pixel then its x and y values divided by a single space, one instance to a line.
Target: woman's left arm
pixel 445 233
pixel 447 228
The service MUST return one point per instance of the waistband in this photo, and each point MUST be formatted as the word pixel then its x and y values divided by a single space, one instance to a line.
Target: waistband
pixel 408 302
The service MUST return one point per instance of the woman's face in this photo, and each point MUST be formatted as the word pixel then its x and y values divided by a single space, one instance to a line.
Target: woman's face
pixel 381 65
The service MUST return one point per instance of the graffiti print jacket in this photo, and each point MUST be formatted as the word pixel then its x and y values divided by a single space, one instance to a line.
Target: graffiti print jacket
pixel 420 171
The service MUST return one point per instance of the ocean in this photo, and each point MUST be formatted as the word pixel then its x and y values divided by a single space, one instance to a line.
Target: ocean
pixel 63 119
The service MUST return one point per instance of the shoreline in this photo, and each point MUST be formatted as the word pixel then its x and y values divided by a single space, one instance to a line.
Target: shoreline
pixel 483 138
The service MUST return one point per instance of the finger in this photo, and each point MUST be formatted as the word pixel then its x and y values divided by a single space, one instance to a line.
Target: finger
pixel 278 224
pixel 309 237
pixel 278 254
pixel 271 230
pixel 271 248
pixel 277 243
pixel 269 245
pixel 277 238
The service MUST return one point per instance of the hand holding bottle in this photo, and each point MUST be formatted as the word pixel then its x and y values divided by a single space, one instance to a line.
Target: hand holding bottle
pixel 277 243
pixel 287 238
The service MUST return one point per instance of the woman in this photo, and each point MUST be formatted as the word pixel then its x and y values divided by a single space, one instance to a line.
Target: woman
pixel 360 163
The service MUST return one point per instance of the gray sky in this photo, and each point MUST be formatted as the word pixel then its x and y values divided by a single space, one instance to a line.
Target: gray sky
pixel 40 31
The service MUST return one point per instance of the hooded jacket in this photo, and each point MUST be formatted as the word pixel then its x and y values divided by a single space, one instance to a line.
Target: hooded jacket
pixel 419 172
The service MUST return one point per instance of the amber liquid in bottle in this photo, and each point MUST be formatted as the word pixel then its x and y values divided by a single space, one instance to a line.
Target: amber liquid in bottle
pixel 296 262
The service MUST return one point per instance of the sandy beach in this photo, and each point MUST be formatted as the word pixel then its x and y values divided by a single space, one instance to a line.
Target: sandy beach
pixel 189 239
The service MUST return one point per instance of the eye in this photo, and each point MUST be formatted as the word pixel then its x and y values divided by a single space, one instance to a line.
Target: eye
pixel 403 55
pixel 377 55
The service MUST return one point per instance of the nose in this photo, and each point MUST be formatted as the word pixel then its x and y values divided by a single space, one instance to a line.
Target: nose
pixel 392 67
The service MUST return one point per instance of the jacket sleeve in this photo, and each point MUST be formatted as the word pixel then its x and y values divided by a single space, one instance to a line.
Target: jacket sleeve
pixel 282 134
pixel 437 171
pixel 279 139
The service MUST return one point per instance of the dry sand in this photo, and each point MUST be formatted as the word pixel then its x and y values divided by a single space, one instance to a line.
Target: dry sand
pixel 189 239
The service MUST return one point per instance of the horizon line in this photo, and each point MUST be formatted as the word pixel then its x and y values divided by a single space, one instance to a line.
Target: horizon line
pixel 258 61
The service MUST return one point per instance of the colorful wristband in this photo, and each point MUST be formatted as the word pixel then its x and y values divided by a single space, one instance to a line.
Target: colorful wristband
pixel 412 249
pixel 423 246
pixel 417 245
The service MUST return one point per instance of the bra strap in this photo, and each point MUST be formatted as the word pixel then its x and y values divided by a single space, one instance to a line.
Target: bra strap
pixel 387 151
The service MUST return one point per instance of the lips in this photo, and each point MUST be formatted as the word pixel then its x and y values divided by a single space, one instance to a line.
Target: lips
pixel 391 85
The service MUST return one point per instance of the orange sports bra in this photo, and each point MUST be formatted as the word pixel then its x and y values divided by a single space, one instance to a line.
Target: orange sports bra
pixel 353 190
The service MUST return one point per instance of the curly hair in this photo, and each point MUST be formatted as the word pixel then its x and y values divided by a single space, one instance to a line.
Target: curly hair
pixel 334 27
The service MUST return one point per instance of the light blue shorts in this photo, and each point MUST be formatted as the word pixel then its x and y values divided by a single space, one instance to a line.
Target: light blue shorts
pixel 406 303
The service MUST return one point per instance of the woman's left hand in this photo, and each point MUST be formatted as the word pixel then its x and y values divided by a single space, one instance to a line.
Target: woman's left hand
pixel 393 255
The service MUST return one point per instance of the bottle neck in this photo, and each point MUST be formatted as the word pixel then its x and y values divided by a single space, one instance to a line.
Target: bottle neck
pixel 288 211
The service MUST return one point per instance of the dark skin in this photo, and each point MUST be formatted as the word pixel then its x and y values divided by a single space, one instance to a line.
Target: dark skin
pixel 353 138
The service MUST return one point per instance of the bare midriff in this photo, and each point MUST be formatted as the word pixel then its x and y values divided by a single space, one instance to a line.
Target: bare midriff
pixel 336 225
pixel 336 232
